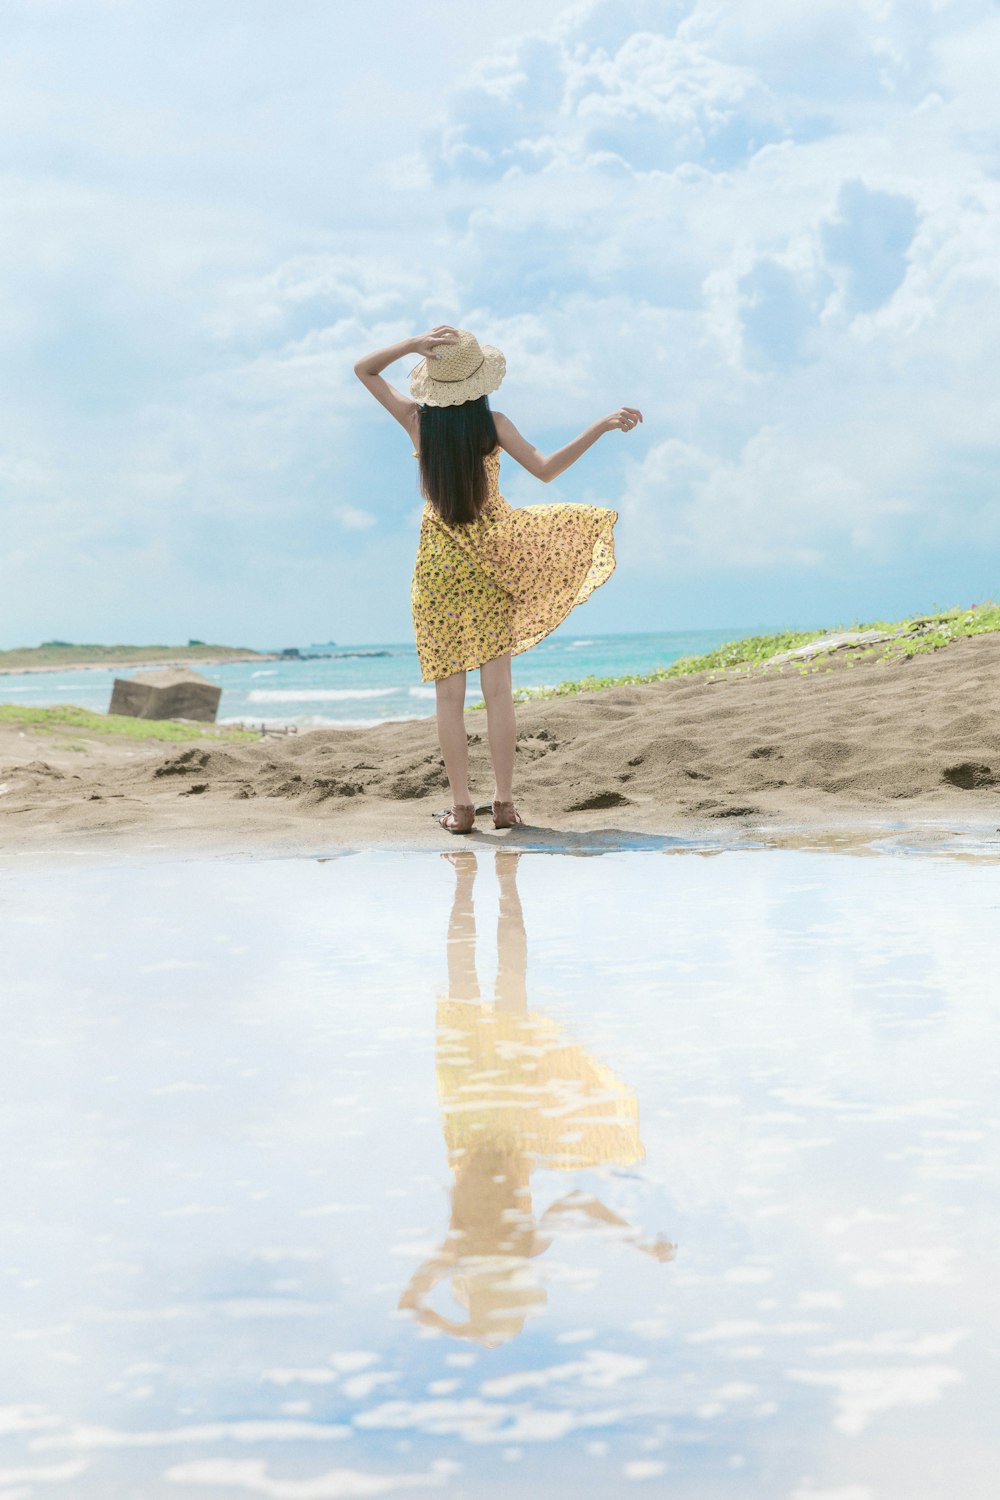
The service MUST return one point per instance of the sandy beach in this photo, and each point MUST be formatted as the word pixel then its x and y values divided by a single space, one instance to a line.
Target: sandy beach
pixel 850 745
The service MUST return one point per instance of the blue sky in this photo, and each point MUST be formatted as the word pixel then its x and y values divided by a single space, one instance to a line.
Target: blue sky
pixel 773 226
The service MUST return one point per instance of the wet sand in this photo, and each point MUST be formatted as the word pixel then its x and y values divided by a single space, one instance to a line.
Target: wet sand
pixel 854 746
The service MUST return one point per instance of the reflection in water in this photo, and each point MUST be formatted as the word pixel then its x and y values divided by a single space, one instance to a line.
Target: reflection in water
pixel 221 1145
pixel 515 1094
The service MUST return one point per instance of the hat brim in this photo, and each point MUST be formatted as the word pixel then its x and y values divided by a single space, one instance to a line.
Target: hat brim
pixel 430 392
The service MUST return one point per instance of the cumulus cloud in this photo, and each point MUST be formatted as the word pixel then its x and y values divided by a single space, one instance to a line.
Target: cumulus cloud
pixel 775 228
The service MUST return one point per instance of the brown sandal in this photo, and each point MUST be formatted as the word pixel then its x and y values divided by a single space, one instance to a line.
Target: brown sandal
pixel 460 819
pixel 505 815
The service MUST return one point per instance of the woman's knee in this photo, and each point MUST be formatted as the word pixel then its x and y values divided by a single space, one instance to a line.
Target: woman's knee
pixel 451 690
pixel 494 678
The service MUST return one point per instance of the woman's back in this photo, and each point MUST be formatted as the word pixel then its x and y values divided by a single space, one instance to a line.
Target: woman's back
pixel 453 445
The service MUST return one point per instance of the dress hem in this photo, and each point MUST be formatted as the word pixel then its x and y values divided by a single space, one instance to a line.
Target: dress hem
pixel 606 541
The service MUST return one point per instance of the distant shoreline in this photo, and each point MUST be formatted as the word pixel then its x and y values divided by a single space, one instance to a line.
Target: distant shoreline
pixel 112 663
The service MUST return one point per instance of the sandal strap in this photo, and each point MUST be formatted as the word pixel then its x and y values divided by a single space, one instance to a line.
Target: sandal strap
pixel 459 818
pixel 507 812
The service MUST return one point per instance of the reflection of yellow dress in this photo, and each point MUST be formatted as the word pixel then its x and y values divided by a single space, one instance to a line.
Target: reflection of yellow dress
pixel 512 1081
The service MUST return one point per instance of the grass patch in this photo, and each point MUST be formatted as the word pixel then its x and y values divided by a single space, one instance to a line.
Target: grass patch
pixel 914 636
pixel 931 632
pixel 65 654
pixel 84 721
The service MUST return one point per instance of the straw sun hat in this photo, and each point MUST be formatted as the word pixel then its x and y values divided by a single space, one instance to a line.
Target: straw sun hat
pixel 461 372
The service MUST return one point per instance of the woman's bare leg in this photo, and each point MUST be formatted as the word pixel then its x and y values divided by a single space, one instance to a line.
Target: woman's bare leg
pixel 452 737
pixel 501 725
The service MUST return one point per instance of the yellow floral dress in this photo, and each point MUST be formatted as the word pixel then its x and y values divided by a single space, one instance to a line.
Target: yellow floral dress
pixel 504 581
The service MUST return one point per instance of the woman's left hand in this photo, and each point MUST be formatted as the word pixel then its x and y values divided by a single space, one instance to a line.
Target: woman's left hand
pixel 623 420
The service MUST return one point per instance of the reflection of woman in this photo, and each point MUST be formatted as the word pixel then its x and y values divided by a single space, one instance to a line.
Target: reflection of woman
pixel 515 1094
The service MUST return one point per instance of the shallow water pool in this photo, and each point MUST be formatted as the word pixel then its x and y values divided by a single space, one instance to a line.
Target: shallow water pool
pixel 494 1175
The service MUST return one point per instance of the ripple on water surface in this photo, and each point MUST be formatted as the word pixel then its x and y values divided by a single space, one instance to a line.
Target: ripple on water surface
pixel 492 1175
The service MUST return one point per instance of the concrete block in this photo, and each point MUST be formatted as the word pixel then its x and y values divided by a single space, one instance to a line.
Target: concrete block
pixel 171 693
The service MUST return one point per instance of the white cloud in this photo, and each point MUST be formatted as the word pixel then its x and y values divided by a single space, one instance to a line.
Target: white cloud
pixel 782 500
pixel 44 1473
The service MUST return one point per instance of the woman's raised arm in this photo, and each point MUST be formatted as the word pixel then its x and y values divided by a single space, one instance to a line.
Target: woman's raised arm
pixel 548 467
pixel 369 369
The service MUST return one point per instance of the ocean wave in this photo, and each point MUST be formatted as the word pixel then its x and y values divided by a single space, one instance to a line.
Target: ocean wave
pixel 343 655
pixel 271 672
pixel 428 690
pixel 316 695
pixel 571 644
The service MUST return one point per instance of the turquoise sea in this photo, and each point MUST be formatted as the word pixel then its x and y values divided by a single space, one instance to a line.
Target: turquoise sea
pixel 372 684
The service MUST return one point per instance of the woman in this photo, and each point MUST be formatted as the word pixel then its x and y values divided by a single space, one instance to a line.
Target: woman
pixel 489 580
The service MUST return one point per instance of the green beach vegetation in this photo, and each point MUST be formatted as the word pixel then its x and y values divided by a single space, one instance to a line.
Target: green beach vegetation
pixel 69 721
pixel 756 653
pixel 54 654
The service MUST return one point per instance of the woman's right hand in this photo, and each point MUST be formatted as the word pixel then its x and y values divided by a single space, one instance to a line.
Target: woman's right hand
pixel 427 344
pixel 622 420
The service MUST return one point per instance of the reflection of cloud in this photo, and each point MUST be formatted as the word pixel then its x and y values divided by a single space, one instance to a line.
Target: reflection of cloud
pixel 477 1421
pixel 865 1394
pixel 644 1468
pixel 923 1346
pixel 337 1484
pixel 841 1492
pixel 741 1328
pixel 599 1370
pixel 207 1432
pixel 919 1265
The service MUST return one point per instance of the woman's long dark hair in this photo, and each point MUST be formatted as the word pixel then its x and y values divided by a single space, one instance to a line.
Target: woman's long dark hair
pixel 454 440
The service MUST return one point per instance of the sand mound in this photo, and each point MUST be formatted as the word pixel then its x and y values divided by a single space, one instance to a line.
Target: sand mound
pixel 913 737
